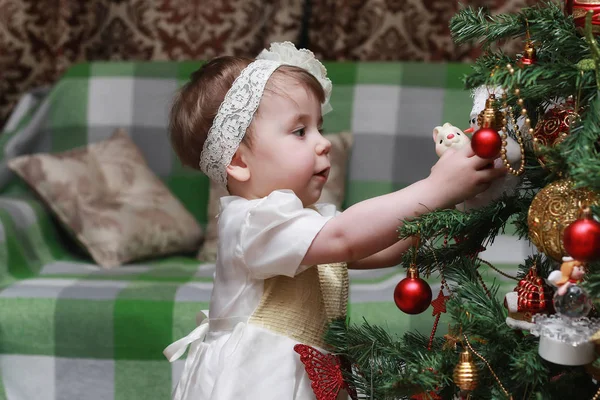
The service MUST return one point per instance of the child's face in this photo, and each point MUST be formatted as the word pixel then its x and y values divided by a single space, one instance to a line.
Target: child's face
pixel 287 150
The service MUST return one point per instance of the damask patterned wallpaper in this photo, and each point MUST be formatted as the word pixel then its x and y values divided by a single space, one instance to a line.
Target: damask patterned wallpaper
pixel 39 39
pixel 415 30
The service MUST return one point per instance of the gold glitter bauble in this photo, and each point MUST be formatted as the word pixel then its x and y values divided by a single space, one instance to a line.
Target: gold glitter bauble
pixel 465 374
pixel 551 211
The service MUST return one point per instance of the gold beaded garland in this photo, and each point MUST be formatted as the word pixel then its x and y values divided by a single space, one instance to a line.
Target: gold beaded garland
pixel 506 111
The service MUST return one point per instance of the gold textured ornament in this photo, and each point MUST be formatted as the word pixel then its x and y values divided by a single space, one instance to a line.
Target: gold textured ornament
pixel 552 210
pixel 491 114
pixel 465 374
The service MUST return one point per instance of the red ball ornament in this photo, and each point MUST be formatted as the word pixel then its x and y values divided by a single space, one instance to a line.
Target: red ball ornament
pixel 579 8
pixel 581 238
pixel 412 294
pixel 486 143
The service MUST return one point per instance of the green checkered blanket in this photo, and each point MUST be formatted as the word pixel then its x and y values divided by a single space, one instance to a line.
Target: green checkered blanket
pixel 70 330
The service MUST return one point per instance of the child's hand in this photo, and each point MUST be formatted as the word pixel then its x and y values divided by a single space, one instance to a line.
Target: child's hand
pixel 460 175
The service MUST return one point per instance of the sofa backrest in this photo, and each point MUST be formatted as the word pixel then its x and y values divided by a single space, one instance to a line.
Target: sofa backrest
pixel 390 107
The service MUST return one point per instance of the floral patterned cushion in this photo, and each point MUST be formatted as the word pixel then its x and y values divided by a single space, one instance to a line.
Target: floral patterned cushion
pixel 108 198
pixel 333 192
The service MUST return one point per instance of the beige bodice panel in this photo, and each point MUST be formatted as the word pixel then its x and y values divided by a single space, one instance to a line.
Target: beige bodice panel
pixel 302 306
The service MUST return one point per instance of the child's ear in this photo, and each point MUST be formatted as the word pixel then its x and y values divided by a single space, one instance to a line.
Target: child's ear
pixel 237 168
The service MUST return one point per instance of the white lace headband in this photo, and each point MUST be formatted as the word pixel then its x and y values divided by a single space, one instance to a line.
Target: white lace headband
pixel 233 118
pixel 241 102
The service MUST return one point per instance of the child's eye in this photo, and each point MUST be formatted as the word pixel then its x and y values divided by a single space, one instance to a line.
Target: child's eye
pixel 300 132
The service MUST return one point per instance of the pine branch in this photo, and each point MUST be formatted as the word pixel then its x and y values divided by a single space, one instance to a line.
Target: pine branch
pixel 471 24
pixel 455 223
pixel 581 151
pixel 525 364
pixel 470 305
pixel 556 72
pixel 592 282
pixel 546 23
pixel 384 368
pixel 474 229
pixel 543 264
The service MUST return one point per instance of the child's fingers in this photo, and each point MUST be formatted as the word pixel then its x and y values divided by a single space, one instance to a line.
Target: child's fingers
pixel 482 187
pixel 482 163
pixel 490 174
pixel 448 153
pixel 467 150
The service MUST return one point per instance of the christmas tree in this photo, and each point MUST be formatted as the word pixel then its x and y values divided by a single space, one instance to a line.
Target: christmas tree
pixel 539 343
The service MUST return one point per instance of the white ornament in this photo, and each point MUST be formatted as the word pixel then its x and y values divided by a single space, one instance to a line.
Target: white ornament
pixel 565 341
pixel 448 136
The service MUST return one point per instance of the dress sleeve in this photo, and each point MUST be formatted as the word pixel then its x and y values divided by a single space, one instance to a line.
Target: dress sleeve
pixel 276 234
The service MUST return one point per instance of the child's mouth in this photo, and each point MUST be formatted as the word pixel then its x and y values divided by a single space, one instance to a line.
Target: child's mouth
pixel 324 173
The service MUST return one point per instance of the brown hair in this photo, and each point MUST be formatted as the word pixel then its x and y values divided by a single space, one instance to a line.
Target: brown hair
pixel 197 102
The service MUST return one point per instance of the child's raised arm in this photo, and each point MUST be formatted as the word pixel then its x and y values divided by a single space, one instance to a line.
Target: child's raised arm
pixel 370 226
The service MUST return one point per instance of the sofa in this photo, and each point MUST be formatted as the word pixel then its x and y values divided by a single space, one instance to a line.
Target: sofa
pixel 70 329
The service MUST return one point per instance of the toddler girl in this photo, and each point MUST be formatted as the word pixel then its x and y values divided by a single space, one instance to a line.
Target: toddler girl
pixel 281 274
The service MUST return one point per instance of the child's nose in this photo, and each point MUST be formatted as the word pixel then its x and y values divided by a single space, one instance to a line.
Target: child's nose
pixel 450 136
pixel 323 146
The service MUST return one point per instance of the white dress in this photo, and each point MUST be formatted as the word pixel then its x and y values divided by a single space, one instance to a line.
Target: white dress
pixel 263 303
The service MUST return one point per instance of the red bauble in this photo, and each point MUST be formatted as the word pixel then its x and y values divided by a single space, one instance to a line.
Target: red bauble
pixel 486 143
pixel 555 125
pixel 581 239
pixel 579 8
pixel 412 294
